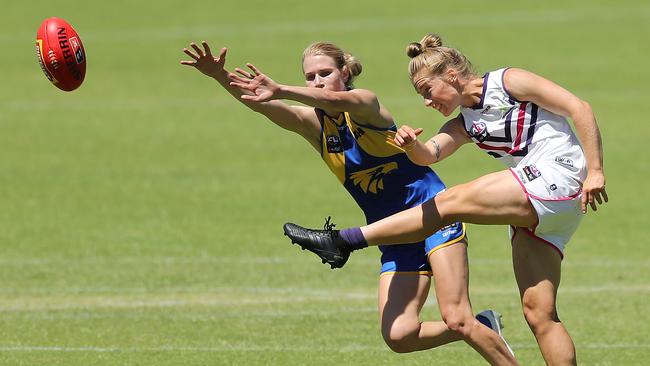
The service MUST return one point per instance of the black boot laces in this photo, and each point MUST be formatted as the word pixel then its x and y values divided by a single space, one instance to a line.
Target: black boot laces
pixel 328 226
pixel 328 231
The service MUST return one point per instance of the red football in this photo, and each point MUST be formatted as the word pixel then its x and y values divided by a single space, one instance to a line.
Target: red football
pixel 61 54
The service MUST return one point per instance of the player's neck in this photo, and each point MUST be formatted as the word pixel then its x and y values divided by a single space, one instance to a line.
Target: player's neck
pixel 472 92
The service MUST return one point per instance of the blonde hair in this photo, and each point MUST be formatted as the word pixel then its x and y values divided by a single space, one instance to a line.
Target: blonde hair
pixel 429 58
pixel 343 60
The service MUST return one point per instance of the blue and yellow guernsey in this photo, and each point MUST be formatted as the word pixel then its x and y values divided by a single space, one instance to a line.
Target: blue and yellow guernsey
pixel 376 172
pixel 383 181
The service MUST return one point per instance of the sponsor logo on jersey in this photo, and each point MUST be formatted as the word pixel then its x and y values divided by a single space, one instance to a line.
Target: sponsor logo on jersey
pixel 552 187
pixel 333 144
pixel 564 161
pixel 372 180
pixel 449 230
pixel 531 172
pixel 479 131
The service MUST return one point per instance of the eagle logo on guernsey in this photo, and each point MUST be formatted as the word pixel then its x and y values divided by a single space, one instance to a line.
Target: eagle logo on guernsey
pixel 372 180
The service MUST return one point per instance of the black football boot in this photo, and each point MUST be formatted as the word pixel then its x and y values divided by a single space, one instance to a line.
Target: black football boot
pixel 326 243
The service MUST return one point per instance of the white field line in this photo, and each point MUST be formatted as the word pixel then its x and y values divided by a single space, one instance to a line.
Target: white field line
pixel 233 313
pixel 237 297
pixel 356 25
pixel 251 348
pixel 171 260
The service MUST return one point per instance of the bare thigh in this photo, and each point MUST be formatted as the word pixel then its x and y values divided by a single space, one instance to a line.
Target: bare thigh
pixel 451 278
pixel 493 199
pixel 537 268
pixel 401 297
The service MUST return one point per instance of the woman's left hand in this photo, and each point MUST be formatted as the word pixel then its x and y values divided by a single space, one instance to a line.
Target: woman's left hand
pixel 263 87
pixel 593 190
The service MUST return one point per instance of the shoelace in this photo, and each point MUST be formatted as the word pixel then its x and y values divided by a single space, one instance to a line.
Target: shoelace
pixel 328 226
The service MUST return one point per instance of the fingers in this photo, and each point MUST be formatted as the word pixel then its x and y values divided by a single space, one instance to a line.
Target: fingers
pixel 598 199
pixel 406 136
pixel 198 50
pixel 418 131
pixel 189 53
pixel 244 73
pixel 592 203
pixel 587 199
pixel 241 85
pixel 207 49
pixel 238 79
pixel 412 135
pixel 222 54
pixel 255 69
pixel 591 197
pixel 253 98
pixel 399 140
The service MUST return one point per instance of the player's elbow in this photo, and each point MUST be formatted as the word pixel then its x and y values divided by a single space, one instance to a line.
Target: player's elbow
pixel 580 110
pixel 586 107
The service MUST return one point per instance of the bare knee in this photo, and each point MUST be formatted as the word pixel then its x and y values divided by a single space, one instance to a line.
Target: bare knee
pixel 400 337
pixel 458 320
pixel 540 314
pixel 446 204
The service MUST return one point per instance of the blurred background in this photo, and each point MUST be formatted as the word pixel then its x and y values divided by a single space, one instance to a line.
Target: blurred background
pixel 140 215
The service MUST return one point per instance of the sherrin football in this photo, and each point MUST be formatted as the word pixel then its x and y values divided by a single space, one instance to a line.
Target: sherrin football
pixel 61 54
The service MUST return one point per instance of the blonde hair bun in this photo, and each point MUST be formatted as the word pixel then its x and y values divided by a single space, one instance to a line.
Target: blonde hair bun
pixel 430 41
pixel 353 65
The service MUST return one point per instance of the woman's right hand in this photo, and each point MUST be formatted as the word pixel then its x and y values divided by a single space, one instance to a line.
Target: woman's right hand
pixel 204 61
pixel 261 86
pixel 406 136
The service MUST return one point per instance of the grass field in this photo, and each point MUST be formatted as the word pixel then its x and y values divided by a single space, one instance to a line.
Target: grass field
pixel 140 216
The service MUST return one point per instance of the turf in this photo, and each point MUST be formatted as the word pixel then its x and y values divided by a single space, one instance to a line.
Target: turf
pixel 140 216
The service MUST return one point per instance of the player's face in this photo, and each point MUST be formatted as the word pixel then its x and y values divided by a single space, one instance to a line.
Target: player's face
pixel 321 72
pixel 438 94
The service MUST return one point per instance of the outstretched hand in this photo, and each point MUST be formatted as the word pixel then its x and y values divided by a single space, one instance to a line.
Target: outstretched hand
pixel 593 190
pixel 406 136
pixel 204 61
pixel 262 86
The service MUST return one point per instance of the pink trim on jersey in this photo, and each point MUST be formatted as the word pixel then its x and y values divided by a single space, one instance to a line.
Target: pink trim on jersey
pixel 532 234
pixel 565 198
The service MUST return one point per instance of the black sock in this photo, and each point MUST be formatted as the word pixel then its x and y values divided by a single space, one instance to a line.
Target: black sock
pixel 353 238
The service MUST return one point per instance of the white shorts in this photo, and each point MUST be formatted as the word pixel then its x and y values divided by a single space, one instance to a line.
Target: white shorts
pixel 555 193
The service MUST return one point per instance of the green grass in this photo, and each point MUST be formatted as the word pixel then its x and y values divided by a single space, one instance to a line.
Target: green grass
pixel 140 215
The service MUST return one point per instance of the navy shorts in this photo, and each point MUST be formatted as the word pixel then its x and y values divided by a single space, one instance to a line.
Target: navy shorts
pixel 414 258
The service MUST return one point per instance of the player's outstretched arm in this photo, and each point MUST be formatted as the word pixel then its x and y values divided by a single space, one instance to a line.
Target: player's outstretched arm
pixel 214 67
pixel 360 103
pixel 298 119
pixel 450 137
pixel 525 85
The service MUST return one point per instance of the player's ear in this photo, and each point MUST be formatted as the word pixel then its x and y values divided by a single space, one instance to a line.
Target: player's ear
pixel 345 74
pixel 451 75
